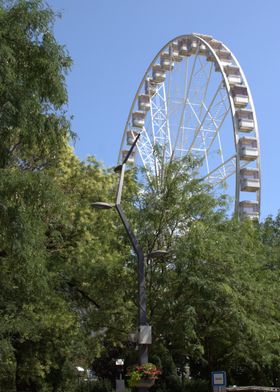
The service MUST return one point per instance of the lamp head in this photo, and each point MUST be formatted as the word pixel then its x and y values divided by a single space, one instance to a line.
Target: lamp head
pixel 101 205
pixel 156 254
pixel 118 168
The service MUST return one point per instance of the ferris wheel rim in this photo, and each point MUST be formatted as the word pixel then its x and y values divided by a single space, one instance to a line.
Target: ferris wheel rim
pixel 205 40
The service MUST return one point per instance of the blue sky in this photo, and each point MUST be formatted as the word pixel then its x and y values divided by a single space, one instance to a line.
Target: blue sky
pixel 112 43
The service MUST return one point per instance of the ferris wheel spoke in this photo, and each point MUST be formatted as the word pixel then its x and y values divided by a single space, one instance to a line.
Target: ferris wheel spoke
pixel 229 167
pixel 223 171
pixel 217 130
pixel 203 79
pixel 206 89
pixel 210 132
pixel 218 107
pixel 180 130
pixel 204 118
pixel 194 112
pixel 188 83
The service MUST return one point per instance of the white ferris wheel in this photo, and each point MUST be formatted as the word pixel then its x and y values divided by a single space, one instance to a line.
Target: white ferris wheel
pixel 194 99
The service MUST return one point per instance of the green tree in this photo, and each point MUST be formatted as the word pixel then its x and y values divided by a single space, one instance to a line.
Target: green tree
pixel 59 257
pixel 212 302
pixel 33 95
pixel 35 322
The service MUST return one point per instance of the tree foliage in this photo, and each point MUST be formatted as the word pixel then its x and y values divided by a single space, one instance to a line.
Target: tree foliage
pixel 213 302
pixel 32 86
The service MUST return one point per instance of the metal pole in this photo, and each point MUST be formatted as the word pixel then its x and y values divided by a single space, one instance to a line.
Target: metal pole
pixel 142 310
pixel 142 307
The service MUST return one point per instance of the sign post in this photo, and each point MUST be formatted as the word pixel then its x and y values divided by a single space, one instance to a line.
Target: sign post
pixel 219 381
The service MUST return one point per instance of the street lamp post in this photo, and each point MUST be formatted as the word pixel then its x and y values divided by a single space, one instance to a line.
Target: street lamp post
pixel 144 330
pixel 142 308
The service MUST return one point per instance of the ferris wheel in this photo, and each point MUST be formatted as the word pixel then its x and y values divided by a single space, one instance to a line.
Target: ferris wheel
pixel 194 99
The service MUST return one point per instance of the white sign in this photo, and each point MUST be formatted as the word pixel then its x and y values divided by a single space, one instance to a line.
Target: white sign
pixel 219 379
